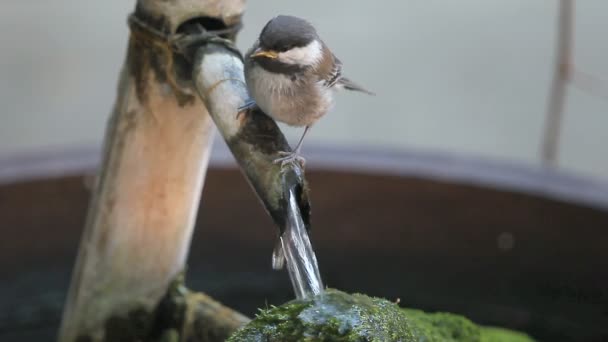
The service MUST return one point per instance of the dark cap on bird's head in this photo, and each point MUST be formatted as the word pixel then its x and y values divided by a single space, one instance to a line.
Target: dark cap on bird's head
pixel 285 32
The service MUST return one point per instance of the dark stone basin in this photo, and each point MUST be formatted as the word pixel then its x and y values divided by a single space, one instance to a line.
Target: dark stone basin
pixel 518 253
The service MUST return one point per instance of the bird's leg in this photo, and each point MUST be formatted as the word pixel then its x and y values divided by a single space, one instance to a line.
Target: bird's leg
pixel 293 156
pixel 245 108
pixel 299 145
pixel 250 103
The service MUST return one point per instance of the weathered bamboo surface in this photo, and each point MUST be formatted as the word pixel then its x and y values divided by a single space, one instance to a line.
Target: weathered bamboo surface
pixel 157 148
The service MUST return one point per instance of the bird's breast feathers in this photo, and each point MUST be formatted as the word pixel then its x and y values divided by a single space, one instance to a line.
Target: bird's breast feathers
pixel 289 98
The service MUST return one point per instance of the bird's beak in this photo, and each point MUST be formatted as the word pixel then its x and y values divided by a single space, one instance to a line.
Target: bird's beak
pixel 265 53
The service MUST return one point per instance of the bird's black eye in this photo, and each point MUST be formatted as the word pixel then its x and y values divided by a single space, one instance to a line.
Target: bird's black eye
pixel 284 47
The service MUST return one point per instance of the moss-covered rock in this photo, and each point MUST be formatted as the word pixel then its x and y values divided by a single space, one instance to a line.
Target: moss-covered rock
pixel 337 316
pixel 332 316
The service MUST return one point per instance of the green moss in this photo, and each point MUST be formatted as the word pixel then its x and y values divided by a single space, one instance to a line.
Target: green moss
pixel 336 316
pixel 492 334
pixel 170 335
pixel 442 327
pixel 333 316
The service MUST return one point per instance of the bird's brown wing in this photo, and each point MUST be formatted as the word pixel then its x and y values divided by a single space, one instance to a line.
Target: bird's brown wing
pixel 329 71
pixel 335 74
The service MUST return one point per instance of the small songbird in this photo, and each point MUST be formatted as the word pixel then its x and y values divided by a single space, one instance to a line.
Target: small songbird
pixel 291 76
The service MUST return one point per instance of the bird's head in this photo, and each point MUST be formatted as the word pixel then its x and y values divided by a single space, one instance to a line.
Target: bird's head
pixel 290 41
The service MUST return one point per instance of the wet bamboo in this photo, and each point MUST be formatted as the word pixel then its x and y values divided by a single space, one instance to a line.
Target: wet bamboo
pixel 254 138
pixel 157 147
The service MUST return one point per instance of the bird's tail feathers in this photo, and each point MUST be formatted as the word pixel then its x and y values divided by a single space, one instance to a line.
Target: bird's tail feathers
pixel 350 85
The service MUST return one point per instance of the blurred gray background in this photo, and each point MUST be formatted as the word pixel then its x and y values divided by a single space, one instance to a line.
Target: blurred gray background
pixel 469 77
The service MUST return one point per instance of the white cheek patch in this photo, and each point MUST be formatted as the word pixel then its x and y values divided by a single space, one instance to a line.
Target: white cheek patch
pixel 310 54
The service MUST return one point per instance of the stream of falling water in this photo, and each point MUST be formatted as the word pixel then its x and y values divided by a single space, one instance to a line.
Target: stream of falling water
pixel 299 255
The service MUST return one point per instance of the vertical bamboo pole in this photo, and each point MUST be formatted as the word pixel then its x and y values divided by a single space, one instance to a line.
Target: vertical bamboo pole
pixel 157 148
pixel 557 97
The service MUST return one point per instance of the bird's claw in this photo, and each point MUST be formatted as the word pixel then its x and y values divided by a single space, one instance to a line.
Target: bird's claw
pixel 290 158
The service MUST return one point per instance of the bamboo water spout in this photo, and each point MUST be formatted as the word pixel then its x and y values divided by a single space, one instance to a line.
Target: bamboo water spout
pixel 255 140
